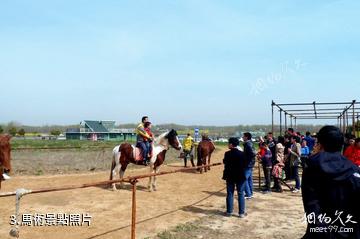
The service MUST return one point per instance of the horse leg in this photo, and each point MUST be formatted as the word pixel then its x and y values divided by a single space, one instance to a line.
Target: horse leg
pixel 116 169
pixel 151 178
pixel 199 160
pixel 157 169
pixel 121 174
pixel 114 166
pixel 209 161
pixel 205 163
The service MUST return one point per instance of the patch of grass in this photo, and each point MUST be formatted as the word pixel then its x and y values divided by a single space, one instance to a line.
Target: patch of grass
pixel 185 227
pixel 81 144
pixel 39 172
pixel 181 231
pixel 165 235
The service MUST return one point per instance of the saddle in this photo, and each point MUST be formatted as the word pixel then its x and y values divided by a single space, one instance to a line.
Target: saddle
pixel 137 154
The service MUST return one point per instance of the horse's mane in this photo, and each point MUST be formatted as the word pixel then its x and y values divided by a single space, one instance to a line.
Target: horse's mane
pixel 160 137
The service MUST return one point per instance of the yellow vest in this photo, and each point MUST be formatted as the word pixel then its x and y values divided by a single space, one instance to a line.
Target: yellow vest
pixel 141 132
pixel 188 143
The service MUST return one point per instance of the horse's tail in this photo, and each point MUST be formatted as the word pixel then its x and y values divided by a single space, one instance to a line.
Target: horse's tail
pixel 114 158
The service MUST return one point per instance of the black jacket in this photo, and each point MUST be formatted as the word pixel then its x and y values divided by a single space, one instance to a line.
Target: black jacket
pixel 234 165
pixel 331 183
pixel 250 154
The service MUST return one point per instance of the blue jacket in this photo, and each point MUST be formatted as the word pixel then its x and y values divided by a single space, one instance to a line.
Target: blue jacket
pixel 305 151
pixel 310 142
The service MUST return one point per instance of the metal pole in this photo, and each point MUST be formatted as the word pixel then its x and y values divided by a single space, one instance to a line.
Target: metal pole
pixel 347 121
pixel 340 124
pixel 353 120
pixel 285 121
pixel 272 116
pixel 133 211
pixel 357 124
pixel 315 110
pixel 280 122
pixel 291 121
pixel 295 121
pixel 344 124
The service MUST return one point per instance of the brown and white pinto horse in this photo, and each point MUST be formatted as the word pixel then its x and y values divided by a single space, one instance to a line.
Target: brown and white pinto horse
pixel 124 154
pixel 5 150
pixel 204 151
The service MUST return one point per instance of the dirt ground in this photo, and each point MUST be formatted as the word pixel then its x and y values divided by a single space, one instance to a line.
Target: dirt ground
pixel 186 205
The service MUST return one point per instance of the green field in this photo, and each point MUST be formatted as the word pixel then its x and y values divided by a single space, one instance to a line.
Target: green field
pixel 81 144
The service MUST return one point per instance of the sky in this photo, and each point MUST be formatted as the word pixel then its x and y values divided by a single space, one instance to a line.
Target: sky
pixel 191 62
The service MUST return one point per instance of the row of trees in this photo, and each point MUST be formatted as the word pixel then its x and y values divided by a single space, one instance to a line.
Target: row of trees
pixel 16 130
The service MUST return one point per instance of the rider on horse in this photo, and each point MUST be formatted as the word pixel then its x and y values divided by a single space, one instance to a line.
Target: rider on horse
pixel 141 134
pixel 148 141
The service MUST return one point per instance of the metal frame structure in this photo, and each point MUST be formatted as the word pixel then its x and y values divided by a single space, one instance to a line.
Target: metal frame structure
pixel 341 111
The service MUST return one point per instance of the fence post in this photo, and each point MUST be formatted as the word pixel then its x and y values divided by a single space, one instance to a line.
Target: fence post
pixel 133 211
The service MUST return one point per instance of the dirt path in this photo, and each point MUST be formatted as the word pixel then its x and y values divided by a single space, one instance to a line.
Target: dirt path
pixel 180 198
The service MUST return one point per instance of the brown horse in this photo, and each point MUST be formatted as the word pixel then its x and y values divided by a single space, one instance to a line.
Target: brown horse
pixel 5 150
pixel 125 153
pixel 204 151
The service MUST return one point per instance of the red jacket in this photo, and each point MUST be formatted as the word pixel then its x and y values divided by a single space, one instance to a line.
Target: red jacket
pixel 148 131
pixel 353 153
pixel 262 152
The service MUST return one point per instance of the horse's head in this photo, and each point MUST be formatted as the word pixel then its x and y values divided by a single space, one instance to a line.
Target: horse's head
pixel 5 150
pixel 173 139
